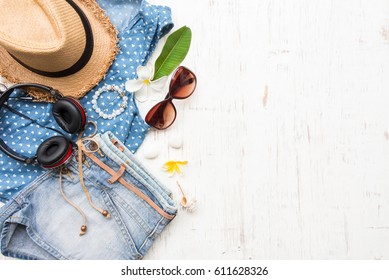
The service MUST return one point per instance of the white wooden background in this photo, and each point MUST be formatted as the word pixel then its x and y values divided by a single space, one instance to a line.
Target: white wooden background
pixel 287 136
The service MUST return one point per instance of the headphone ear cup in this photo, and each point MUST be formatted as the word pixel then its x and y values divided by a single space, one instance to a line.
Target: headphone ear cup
pixel 69 114
pixel 54 152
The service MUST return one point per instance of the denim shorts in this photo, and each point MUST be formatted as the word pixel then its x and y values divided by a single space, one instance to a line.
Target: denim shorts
pixel 38 223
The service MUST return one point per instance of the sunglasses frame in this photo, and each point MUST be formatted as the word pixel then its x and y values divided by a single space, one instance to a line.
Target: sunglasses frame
pixel 169 97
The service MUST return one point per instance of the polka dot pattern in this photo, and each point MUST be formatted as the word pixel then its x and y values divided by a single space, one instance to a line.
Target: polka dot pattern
pixel 140 26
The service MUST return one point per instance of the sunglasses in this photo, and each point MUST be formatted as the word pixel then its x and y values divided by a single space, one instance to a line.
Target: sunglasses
pixel 182 85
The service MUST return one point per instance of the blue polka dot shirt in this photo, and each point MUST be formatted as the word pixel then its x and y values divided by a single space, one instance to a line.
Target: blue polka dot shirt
pixel 140 26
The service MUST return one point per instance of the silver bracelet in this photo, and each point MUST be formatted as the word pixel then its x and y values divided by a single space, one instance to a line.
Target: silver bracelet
pixel 116 112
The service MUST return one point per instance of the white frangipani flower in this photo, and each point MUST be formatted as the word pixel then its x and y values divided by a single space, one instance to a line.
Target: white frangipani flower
pixel 144 87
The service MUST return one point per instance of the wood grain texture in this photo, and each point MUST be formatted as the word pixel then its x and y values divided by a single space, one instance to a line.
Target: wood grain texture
pixel 287 135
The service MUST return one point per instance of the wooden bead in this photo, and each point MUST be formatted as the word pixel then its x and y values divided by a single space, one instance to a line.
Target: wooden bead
pixel 93 146
pixel 83 230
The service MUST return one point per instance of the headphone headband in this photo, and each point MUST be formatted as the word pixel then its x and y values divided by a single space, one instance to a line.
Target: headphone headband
pixel 7 93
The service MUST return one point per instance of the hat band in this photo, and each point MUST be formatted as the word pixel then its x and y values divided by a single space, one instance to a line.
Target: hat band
pixel 85 57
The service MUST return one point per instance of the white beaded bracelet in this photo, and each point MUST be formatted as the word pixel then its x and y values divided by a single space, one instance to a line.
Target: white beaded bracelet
pixel 115 113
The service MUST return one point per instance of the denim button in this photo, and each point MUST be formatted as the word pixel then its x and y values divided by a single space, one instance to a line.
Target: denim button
pixel 93 146
pixel 65 170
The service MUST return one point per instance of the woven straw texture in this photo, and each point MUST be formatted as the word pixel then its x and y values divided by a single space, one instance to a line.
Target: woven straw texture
pixel 50 49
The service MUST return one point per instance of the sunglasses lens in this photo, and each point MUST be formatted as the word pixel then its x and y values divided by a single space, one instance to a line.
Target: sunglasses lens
pixel 162 115
pixel 183 83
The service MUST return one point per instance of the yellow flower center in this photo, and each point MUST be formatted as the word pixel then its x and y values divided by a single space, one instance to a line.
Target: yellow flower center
pixel 146 82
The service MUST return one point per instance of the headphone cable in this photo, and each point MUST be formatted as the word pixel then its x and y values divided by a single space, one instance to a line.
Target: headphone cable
pixel 32 120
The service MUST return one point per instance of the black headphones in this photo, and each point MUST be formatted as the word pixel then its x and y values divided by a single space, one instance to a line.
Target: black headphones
pixel 69 115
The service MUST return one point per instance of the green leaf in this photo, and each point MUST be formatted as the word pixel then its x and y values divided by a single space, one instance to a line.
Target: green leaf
pixel 173 53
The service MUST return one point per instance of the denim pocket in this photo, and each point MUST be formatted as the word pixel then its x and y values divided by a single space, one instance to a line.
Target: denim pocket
pixel 21 236
pixel 59 222
pixel 138 217
pixel 127 224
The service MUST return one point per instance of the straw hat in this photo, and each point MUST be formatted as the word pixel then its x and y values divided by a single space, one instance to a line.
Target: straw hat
pixel 66 44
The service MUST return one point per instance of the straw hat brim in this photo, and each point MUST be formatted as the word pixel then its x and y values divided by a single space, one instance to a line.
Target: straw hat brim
pixel 78 84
